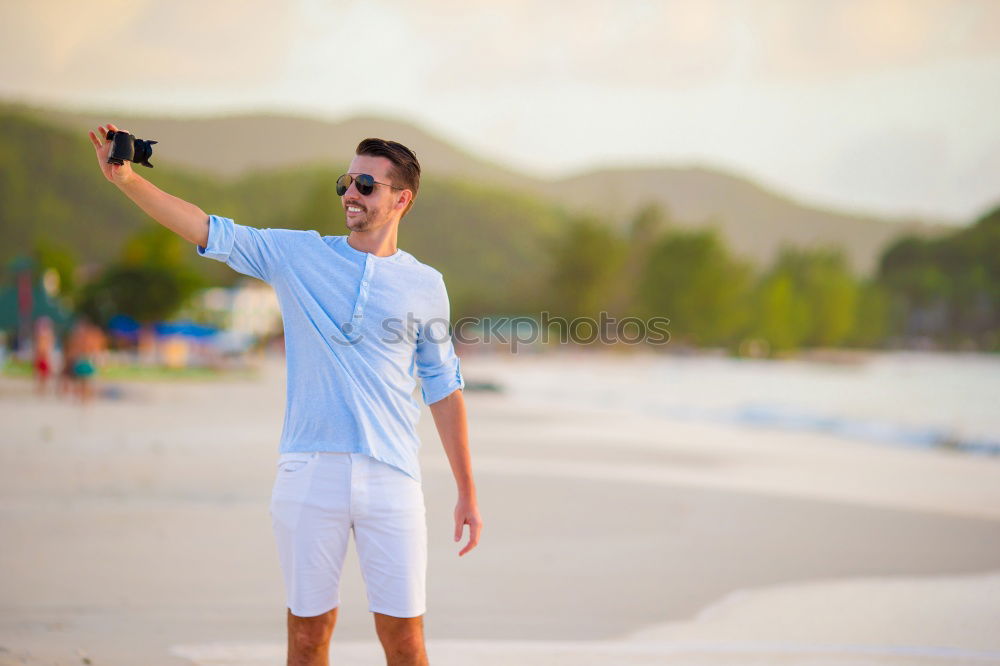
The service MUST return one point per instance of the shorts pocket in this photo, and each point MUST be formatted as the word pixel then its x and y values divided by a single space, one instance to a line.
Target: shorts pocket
pixel 291 463
pixel 291 484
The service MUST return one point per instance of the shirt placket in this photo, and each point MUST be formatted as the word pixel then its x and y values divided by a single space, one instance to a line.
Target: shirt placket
pixel 363 289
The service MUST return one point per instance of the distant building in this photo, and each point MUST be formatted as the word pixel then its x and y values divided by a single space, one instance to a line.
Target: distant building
pixel 250 308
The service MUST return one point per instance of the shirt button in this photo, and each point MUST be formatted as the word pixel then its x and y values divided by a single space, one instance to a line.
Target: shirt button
pixel 365 283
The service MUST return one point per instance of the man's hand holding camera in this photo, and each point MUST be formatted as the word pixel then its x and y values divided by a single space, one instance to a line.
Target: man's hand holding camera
pixel 116 150
pixel 118 173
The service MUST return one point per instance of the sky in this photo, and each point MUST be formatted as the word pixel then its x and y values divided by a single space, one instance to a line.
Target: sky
pixel 882 106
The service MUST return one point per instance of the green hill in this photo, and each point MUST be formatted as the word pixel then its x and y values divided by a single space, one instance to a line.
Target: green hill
pixel 754 221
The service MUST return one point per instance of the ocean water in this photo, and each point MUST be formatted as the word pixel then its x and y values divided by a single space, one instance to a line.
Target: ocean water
pixel 913 399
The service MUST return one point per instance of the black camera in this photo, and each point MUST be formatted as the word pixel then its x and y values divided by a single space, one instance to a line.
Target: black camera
pixel 125 146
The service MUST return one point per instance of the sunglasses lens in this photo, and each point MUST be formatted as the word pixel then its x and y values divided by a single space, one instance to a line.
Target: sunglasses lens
pixel 365 183
pixel 342 184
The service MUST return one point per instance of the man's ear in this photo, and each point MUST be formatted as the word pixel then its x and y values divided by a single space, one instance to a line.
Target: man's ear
pixel 405 201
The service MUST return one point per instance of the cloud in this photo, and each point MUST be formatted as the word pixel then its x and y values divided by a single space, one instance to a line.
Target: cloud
pixel 826 39
pixel 59 49
pixel 60 46
pixel 679 44
pixel 623 44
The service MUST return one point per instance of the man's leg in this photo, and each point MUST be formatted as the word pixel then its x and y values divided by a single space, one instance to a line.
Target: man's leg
pixel 310 507
pixel 309 639
pixel 390 531
pixel 402 639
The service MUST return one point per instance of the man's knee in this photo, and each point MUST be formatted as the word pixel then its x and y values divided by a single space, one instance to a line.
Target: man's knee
pixel 401 636
pixel 306 639
pixel 406 648
pixel 403 644
pixel 311 633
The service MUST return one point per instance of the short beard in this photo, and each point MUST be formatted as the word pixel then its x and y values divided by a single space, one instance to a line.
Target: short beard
pixel 362 225
pixel 371 221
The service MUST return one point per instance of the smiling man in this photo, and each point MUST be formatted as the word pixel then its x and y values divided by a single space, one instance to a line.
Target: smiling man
pixel 363 321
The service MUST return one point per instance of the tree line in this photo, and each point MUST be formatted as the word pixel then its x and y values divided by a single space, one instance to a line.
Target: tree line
pixel 941 293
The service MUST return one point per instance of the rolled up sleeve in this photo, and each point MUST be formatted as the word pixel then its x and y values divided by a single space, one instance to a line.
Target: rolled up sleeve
pixel 438 366
pixel 250 251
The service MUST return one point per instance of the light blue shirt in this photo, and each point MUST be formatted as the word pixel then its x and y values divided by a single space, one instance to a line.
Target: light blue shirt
pixel 359 329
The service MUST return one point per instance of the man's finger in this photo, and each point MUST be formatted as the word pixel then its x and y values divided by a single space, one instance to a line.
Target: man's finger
pixel 94 140
pixel 474 529
pixel 469 546
pixel 459 526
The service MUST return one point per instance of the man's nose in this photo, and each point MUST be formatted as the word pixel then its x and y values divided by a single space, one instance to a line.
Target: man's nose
pixel 353 187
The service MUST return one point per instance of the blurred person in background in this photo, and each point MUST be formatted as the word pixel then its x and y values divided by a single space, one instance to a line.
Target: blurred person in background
pixel 93 344
pixel 44 350
pixel 85 345
pixel 65 383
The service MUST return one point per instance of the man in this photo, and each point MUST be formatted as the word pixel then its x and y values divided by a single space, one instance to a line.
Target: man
pixel 361 317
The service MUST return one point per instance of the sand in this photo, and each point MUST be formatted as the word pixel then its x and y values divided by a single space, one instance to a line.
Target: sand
pixel 136 531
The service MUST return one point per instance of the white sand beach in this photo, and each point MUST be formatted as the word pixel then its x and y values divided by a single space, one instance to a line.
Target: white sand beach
pixel 136 531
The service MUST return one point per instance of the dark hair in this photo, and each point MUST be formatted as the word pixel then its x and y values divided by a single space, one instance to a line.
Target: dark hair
pixel 405 170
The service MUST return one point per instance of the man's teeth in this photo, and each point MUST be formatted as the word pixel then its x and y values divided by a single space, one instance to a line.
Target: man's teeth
pixel 353 209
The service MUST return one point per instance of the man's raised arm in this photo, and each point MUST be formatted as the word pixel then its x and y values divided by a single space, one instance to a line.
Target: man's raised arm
pixel 185 219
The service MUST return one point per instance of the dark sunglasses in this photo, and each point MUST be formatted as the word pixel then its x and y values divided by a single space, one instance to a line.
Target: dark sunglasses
pixel 365 183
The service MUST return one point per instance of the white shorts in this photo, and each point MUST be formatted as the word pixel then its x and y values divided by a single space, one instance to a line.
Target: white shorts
pixel 318 498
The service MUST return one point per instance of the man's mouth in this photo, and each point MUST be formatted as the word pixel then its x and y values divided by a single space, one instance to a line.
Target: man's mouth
pixel 354 209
